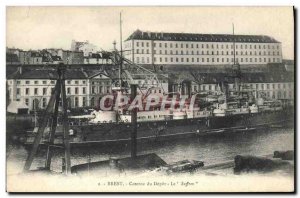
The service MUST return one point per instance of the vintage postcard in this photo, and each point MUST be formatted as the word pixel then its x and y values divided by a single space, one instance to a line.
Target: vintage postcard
pixel 150 99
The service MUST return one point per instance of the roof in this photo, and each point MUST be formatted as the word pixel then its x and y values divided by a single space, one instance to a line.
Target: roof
pixel 140 35
pixel 46 74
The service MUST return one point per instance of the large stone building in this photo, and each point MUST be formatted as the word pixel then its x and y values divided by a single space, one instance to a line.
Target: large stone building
pixel 84 87
pixel 201 49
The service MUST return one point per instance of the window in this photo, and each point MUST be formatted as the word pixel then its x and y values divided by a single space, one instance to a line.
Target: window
pixel 76 90
pixel 137 44
pixel 44 82
pixel 36 82
pixel 52 81
pixel 44 102
pixel 44 91
pixel 83 101
pixel 18 82
pixel 93 90
pixel 35 91
pixel 27 82
pixel 27 91
pixel 83 90
pixel 76 101
pixel 27 101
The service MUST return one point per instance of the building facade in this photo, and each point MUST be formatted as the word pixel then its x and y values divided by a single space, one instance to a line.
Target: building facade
pixel 34 88
pixel 84 47
pixel 201 49
pixel 84 87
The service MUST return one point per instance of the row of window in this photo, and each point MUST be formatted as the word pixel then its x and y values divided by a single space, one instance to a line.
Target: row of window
pixel 42 103
pixel 206 60
pixel 212 46
pixel 263 86
pixel 142 51
pixel 44 91
pixel 100 89
pixel 44 82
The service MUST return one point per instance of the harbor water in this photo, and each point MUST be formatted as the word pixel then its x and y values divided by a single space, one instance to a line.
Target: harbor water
pixel 210 150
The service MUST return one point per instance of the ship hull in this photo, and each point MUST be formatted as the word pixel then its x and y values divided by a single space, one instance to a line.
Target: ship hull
pixel 120 133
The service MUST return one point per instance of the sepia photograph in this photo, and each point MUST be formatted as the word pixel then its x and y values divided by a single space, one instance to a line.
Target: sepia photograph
pixel 148 99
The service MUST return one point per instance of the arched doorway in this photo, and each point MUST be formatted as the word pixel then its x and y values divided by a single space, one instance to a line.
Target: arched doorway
pixel 69 102
pixel 186 86
pixel 92 102
pixel 35 104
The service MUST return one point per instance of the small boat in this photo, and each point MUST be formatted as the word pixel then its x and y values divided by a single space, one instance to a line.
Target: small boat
pixel 182 166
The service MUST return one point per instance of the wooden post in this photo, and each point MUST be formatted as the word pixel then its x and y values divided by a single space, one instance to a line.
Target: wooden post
pixel 41 129
pixel 134 124
pixel 53 128
pixel 65 123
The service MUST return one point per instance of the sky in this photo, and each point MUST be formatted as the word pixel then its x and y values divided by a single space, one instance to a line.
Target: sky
pixel 55 27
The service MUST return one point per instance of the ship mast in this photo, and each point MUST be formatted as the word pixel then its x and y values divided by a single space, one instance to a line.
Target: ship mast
pixel 121 51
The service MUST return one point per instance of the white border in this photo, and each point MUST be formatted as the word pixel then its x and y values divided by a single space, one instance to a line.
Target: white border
pixel 5 3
